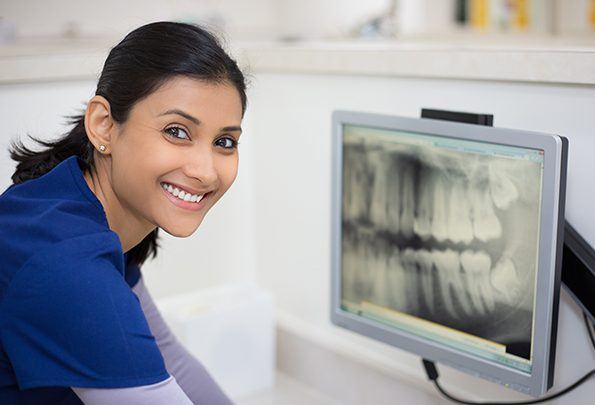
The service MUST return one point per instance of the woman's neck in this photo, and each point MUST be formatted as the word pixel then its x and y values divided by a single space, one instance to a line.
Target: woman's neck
pixel 128 225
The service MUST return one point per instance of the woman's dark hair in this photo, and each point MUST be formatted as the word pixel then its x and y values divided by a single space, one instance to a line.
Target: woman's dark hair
pixel 144 60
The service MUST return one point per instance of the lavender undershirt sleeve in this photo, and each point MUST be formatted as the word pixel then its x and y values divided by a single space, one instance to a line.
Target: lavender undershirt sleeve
pixel 165 392
pixel 189 373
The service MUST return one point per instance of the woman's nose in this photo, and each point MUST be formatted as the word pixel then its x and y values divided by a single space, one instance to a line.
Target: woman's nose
pixel 202 167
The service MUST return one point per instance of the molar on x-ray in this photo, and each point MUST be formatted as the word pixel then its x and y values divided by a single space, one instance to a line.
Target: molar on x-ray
pixel 443 235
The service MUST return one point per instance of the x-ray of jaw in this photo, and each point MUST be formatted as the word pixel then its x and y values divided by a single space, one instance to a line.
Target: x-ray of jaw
pixel 446 236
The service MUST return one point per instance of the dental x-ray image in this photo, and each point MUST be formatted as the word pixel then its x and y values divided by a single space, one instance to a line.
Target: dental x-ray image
pixel 445 235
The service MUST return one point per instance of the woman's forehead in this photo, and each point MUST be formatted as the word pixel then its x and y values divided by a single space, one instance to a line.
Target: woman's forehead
pixel 188 86
pixel 195 97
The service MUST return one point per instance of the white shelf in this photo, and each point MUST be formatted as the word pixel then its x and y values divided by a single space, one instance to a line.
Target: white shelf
pixel 488 60
pixel 492 58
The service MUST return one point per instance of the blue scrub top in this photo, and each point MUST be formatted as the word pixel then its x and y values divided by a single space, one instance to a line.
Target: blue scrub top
pixel 68 316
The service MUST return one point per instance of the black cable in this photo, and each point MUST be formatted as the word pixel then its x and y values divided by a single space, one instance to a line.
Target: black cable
pixel 534 401
pixel 589 325
pixel 432 374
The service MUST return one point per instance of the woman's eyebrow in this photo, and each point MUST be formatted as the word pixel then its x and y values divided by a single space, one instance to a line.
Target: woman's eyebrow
pixel 231 129
pixel 183 114
pixel 196 121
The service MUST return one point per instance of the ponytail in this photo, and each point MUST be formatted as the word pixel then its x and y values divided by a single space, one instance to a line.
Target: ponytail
pixel 32 164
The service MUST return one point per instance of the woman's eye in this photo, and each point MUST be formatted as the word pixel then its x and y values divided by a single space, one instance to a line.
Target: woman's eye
pixel 227 143
pixel 177 132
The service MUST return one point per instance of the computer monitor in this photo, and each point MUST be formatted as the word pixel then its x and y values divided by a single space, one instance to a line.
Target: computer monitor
pixel 447 242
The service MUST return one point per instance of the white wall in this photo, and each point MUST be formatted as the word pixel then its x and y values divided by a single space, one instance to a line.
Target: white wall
pixel 291 125
pixel 37 109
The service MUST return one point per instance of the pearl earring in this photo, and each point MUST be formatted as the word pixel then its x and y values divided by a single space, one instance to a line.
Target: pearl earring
pixel 102 148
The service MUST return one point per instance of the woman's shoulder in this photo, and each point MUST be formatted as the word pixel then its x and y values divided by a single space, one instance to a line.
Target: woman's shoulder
pixel 45 213
pixel 62 190
pixel 86 260
pixel 101 249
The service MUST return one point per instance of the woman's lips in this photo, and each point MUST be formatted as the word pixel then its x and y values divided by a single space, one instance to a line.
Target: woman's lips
pixel 188 205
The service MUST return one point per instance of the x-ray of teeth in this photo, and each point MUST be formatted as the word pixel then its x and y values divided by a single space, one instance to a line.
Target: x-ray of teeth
pixel 443 235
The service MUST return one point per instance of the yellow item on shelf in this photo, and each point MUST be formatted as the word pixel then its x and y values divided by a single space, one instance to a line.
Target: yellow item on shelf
pixel 478 10
pixel 521 14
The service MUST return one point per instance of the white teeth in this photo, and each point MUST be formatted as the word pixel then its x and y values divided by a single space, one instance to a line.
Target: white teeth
pixel 355 205
pixel 442 281
pixel 440 214
pixel 486 225
pixel 425 262
pixel 432 212
pixel 451 282
pixel 394 206
pixel 460 227
pixel 181 194
pixel 422 224
pixel 505 279
pixel 409 264
pixel 364 280
pixel 379 276
pixel 396 281
pixel 379 198
pixel 477 268
pixel 407 201
pixel 349 270
pixel 502 189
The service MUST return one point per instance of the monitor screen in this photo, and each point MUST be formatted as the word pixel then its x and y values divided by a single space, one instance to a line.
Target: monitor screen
pixel 439 241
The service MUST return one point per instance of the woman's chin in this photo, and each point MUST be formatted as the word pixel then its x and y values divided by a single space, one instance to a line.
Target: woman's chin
pixel 181 231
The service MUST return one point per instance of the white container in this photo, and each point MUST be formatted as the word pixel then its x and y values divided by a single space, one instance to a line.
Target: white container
pixel 314 19
pixel 230 329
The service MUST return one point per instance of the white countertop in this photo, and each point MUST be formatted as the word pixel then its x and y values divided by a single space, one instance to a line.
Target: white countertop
pixel 286 391
pixel 537 60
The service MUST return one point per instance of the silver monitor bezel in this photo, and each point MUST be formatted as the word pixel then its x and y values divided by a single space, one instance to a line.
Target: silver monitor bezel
pixel 550 245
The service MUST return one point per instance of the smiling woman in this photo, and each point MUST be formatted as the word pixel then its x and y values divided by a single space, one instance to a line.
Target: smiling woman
pixel 156 148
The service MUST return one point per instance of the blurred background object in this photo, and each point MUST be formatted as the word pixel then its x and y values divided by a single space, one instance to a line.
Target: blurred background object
pixel 7 31
pixel 306 19
pixel 231 329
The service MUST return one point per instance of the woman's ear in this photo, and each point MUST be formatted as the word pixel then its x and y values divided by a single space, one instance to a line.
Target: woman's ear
pixel 99 123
